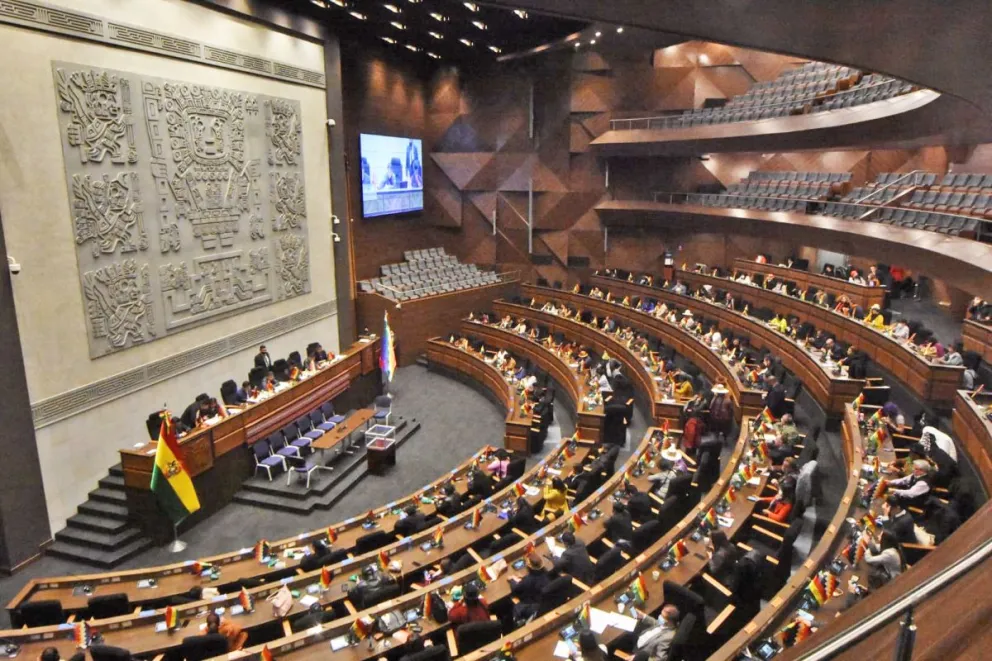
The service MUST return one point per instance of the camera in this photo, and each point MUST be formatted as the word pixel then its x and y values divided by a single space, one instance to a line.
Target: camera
pixel 13 265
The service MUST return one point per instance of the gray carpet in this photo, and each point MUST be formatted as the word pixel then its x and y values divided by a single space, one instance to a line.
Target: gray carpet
pixel 456 420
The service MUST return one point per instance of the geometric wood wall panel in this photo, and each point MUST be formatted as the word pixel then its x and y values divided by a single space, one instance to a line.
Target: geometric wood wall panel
pixel 187 202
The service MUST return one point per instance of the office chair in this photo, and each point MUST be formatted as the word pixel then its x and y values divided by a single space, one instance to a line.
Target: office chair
pixel 108 605
pixel 40 613
pixel 198 648
pixel 111 653
pixel 470 637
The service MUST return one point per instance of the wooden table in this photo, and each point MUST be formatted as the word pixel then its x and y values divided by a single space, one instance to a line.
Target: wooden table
pixel 862 295
pixel 928 379
pixel 470 364
pixel 590 420
pixel 830 391
pixel 977 337
pixel 662 409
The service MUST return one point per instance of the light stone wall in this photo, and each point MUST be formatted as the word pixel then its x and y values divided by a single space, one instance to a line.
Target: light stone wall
pixel 37 224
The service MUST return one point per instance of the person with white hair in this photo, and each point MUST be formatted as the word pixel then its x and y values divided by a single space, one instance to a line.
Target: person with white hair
pixel 914 488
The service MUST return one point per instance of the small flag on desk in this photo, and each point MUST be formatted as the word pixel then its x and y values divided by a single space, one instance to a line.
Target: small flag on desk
pixel 267 653
pixel 640 588
pixel 332 535
pixel 710 519
pixel 880 488
pixel 763 451
pixel 731 496
pixel 246 600
pixel 585 615
pixel 859 552
pixel 262 550
pixel 426 609
pixel 626 480
pixel 370 517
pixel 665 427
pixel 876 465
pixel 81 634
pixel 858 401
pixel 678 551
pixel 530 548
pixel 438 540
pixel 171 618
pixel 542 473
pixel 519 489
pixel 476 518
pixel 818 590
pixel 575 522
pixel 747 472
pixel 383 560
pixel 869 522
pixel 198 567
pixel 766 416
pixel 484 576
pixel 568 451
pixel 325 578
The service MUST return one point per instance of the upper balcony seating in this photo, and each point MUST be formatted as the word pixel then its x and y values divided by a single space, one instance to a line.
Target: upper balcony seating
pixel 425 273
pixel 779 191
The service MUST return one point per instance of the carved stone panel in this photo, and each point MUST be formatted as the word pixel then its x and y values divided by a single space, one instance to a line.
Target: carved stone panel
pixel 223 175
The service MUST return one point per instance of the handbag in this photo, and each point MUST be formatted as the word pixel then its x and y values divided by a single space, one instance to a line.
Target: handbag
pixel 390 622
pixel 282 602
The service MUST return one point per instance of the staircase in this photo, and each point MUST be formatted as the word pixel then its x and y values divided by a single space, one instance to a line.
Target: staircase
pixel 99 534
pixel 326 487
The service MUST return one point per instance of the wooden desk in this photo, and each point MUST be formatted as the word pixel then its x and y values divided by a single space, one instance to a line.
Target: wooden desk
pixel 830 391
pixel 927 379
pixel 590 420
pixel 973 432
pixel 747 401
pixel 175 579
pixel 661 409
pixel 859 294
pixel 468 363
pixel 215 455
pixel 313 644
pixel 977 337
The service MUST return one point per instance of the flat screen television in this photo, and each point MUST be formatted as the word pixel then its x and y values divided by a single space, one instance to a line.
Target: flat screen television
pixel 392 175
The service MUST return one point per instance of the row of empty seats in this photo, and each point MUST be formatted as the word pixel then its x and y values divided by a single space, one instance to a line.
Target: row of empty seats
pixel 779 191
pixel 426 273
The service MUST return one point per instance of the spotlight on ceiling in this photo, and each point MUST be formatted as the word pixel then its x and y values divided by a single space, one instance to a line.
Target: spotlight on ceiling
pixel 319 3
pixel 360 16
pixel 388 40
pixel 599 34
pixel 471 6
pixel 520 13
pixel 411 47
pixel 414 2
pixel 433 56
pixel 592 42
pixel 620 30
pixel 436 35
pixel 392 8
pixel 397 25
pixel 466 42
pixel 496 49
pixel 440 18
pixel 479 24
pixel 578 43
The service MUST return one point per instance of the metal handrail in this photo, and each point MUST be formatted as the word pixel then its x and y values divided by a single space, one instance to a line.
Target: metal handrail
pixel 501 278
pixel 666 118
pixel 852 635
pixel 893 183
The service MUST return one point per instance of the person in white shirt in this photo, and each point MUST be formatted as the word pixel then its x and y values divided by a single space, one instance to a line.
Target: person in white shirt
pixel 656 639
pixel 901 330
pixel 952 357
pixel 716 339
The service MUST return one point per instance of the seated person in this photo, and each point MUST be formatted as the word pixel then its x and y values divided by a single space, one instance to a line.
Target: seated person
pixel 777 507
pixel 555 499
pixel 450 502
pixel 619 526
pixel 575 560
pixel 589 648
pixel 953 356
pixel 885 557
pixel 469 606
pixel 412 522
pixel 942 520
pixel 722 563
pixel 786 438
pixel 528 588
pixel 779 323
pixel 913 489
pixel 684 388
pixel 480 487
pixel 52 654
pixel 522 516
pixel 236 636
pixel 874 317
pixel 656 636
pixel 196 413
pixel 638 503
pixel 898 521
pixel 500 464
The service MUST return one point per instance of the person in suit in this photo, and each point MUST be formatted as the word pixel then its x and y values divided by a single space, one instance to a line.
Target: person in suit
pixel 775 397
pixel 522 517
pixel 528 588
pixel 575 560
pixel 262 358
pixel 451 503
pixel 480 487
pixel 656 637
pixel 898 521
pixel 413 522
pixel 722 559
pixel 196 412
pixel 639 503
pixel 52 654
pixel 619 526
pixel 915 487
pixel 320 355
pixel 241 394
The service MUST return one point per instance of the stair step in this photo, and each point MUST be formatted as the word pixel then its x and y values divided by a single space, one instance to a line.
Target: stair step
pixel 99 540
pixel 100 508
pixel 96 522
pixel 117 470
pixel 112 496
pixel 112 482
pixel 98 558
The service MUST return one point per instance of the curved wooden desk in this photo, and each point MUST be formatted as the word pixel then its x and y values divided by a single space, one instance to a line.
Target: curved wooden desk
pixel 928 379
pixel 176 579
pixel 661 409
pixel 590 420
pixel 443 353
pixel 862 295
pixel 830 391
pixel 312 644
pixel 746 400
pixel 977 337
pixel 973 431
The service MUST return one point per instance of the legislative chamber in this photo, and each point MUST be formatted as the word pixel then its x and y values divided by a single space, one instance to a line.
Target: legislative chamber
pixel 518 330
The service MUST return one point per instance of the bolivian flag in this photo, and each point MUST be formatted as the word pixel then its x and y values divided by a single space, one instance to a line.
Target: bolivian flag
pixel 640 588
pixel 171 482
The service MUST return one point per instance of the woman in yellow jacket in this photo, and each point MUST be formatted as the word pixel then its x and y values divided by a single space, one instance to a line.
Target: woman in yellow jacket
pixel 874 317
pixel 555 499
pixel 684 389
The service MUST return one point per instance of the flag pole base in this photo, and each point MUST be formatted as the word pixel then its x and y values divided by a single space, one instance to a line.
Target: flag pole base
pixel 177 545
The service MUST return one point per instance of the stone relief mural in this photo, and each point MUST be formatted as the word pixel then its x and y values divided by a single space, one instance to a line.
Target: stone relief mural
pixel 204 155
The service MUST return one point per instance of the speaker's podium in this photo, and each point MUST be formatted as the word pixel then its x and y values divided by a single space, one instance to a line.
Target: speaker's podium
pixel 380 448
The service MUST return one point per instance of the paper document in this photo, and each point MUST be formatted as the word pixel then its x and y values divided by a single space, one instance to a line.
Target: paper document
pixel 622 622
pixel 556 550
pixel 563 649
pixel 599 620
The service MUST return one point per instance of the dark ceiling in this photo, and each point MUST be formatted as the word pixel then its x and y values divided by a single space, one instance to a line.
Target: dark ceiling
pixel 503 31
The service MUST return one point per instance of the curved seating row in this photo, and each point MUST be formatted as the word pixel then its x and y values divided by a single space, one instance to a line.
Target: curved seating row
pixel 662 408
pixel 538 639
pixel 137 632
pixel 977 337
pixel 862 295
pixel 589 412
pixel 312 643
pixel 830 390
pixel 746 400
pixel 928 379
pixel 518 424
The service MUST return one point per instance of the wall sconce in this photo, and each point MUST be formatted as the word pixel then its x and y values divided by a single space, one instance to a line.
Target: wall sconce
pixel 335 220
pixel 336 237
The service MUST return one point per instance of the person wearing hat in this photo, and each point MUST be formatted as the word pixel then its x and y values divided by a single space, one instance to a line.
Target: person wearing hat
pixel 721 410
pixel 469 606
pixel 874 317
pixel 855 278
pixel 528 588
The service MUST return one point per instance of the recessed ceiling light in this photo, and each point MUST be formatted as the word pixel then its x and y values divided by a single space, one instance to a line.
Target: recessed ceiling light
pixel 436 35
pixel 495 49
pixel 466 42
pixel 392 8
pixel 414 2
pixel 411 47
pixel 319 3
pixel 578 43
pixel 438 17
pixel 592 42
pixel 479 24
pixel 620 30
pixel 397 25
pixel 388 40
pixel 433 55
pixel 520 13
pixel 471 6
pixel 358 15
pixel 598 34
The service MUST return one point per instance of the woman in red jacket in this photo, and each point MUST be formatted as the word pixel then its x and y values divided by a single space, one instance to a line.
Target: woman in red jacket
pixel 778 507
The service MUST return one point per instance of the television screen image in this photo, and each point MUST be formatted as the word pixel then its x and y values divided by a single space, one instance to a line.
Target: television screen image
pixel 392 175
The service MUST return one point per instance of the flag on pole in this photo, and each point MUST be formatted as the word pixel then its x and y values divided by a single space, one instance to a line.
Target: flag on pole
pixel 858 401
pixel 325 578
pixel 332 535
pixel 439 537
pixel 731 496
pixel 262 550
pixel 678 551
pixel 171 482
pixel 426 610
pixel 710 519
pixel 880 489
pixel 763 451
pixel 519 489
pixel 267 653
pixel 575 522
pixel 484 576
pixel 171 618
pixel 387 356
pixel 362 627
pixel 246 600
pixel 476 518
pixel 818 590
pixel 585 615
pixel 383 560
pixel 81 634
pixel 640 588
